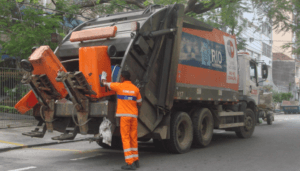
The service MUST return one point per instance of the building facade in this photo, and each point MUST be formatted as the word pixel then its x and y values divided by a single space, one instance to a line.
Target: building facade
pixel 259 44
pixel 280 39
pixel 286 74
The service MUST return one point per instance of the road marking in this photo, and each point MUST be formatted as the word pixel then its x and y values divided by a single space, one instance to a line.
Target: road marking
pixel 82 158
pixel 88 151
pixel 11 143
pixel 25 168
pixel 53 149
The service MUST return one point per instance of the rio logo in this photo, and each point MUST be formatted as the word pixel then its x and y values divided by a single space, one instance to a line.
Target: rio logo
pixel 216 56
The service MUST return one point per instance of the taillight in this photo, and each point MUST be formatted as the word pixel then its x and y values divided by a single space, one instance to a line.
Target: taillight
pixel 92 34
pixel 135 26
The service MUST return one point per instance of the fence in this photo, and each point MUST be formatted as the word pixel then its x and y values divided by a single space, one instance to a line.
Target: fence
pixel 11 91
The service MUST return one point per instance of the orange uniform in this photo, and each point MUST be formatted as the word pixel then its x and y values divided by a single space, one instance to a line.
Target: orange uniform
pixel 128 96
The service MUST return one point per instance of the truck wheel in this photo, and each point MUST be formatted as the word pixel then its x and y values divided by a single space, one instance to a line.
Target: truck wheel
pixel 247 130
pixel 203 124
pixel 269 119
pixel 181 133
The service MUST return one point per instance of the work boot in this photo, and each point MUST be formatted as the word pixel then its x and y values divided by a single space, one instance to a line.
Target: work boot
pixel 137 164
pixel 129 167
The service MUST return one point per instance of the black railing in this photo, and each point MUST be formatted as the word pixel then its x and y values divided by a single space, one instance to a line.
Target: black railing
pixel 11 91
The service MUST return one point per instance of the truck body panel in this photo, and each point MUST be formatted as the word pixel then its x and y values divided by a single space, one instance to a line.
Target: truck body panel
pixel 207 68
pixel 92 62
pixel 44 61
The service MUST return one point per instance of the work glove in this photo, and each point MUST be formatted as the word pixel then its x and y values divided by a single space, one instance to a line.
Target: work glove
pixel 103 76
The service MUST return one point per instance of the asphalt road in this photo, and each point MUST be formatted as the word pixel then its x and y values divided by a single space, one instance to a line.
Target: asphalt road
pixel 271 148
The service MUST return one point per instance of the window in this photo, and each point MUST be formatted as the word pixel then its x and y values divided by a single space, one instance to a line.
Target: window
pixel 263 28
pixel 253 72
pixel 267 50
pixel 256 56
pixel 266 29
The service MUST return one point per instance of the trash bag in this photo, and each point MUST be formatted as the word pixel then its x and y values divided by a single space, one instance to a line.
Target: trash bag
pixel 105 131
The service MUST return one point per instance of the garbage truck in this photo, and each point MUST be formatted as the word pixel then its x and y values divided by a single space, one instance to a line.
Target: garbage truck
pixel 187 73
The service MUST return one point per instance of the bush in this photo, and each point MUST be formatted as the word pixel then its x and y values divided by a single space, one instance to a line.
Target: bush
pixel 7 109
pixel 16 93
pixel 279 97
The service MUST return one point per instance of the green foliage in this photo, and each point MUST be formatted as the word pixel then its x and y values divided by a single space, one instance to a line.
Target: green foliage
pixel 29 27
pixel 279 97
pixel 286 96
pixel 279 12
pixel 267 88
pixel 16 93
pixel 34 29
pixel 225 19
pixel 7 109
pixel 146 3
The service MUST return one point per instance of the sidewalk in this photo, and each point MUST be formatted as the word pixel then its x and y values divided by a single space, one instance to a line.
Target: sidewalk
pixel 12 138
pixel 9 120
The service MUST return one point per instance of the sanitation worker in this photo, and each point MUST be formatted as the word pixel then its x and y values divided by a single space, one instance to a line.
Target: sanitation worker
pixel 128 98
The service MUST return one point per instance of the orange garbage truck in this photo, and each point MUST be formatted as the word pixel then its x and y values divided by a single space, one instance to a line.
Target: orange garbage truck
pixel 187 73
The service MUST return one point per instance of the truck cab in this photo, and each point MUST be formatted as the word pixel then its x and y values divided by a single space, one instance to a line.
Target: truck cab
pixel 248 79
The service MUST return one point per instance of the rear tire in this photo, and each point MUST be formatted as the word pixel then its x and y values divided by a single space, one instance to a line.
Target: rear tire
pixel 181 133
pixel 269 119
pixel 203 124
pixel 247 130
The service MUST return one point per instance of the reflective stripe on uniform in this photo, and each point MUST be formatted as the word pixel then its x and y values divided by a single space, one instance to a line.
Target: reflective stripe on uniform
pixel 131 156
pixel 139 101
pixel 130 149
pixel 126 97
pixel 127 115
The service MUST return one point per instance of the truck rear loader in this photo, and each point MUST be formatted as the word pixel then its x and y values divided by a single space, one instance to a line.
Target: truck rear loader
pixel 187 73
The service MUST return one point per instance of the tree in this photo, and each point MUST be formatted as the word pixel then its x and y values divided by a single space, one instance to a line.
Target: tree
pixel 279 97
pixel 226 19
pixel 279 12
pixel 28 26
pixel 25 27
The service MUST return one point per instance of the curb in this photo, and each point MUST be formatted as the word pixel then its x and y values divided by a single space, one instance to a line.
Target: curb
pixel 38 145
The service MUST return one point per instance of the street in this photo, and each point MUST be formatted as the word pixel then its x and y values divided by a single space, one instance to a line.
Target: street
pixel 271 148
